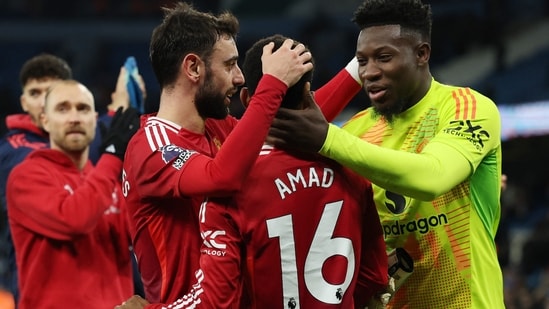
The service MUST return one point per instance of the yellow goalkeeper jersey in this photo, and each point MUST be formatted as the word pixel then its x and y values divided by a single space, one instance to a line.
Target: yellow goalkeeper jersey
pixel 450 237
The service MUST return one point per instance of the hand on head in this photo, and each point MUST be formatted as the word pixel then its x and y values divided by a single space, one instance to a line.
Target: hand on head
pixel 286 63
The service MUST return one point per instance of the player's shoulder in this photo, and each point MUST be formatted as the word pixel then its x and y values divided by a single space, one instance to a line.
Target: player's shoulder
pixel 221 126
pixel 32 161
pixel 461 102
pixel 459 94
pixel 154 134
pixel 156 123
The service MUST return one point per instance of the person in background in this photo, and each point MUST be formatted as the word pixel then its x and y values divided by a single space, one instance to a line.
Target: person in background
pixel 67 217
pixel 26 134
pixel 305 229
pixel 432 152
pixel 120 97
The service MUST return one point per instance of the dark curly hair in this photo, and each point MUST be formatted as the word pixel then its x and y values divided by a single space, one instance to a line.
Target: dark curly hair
pixel 252 70
pixel 409 14
pixel 185 30
pixel 44 66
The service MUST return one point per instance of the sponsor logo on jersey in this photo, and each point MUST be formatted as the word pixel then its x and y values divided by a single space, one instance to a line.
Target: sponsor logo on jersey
pixel 213 245
pixel 68 188
pixel 468 129
pixel 423 225
pixel 176 154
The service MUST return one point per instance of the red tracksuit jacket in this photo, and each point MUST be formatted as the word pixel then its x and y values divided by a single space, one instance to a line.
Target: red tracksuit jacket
pixel 70 232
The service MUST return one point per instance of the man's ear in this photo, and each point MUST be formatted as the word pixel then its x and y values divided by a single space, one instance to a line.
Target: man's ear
pixel 423 53
pixel 23 102
pixel 44 121
pixel 245 96
pixel 191 67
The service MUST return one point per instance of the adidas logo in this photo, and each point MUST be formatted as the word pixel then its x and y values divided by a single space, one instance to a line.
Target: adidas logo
pixel 110 149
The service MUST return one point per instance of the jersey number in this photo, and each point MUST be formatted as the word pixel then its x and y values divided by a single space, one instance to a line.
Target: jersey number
pixel 322 248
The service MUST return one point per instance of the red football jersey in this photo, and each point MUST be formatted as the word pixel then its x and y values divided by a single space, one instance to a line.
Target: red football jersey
pixel 302 233
pixel 169 170
pixel 168 173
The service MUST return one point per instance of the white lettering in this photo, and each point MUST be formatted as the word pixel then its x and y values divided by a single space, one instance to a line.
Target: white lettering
pixel 313 178
pixel 282 188
pixel 296 180
pixel 214 252
pixel 298 177
pixel 327 178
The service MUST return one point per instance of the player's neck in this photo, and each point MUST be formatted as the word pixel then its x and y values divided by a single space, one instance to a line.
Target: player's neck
pixel 79 158
pixel 180 109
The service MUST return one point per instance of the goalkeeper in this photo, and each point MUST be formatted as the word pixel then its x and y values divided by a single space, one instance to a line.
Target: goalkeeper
pixel 433 153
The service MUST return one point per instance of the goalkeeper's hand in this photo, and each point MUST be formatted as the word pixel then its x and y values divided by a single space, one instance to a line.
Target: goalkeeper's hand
pixel 380 300
pixel 123 126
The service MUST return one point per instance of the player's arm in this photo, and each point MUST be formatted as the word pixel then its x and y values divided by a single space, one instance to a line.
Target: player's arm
pixel 425 176
pixel 55 210
pixel 447 160
pixel 225 173
pixel 333 96
pixel 201 175
pixel 218 281
pixel 174 171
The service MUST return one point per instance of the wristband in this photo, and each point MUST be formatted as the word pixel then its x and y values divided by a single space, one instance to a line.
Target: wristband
pixel 352 69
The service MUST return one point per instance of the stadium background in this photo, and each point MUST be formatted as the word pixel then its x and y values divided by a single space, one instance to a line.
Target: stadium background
pixel 499 47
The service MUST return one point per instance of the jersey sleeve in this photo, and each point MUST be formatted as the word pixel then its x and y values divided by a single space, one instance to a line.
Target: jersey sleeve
pixel 218 281
pixel 47 207
pixel 334 96
pixel 473 131
pixel 467 134
pixel 424 176
pixel 190 173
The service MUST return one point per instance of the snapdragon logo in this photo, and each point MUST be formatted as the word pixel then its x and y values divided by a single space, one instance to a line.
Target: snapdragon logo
pixel 423 225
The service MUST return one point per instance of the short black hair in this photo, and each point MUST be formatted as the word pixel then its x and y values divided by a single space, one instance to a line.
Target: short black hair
pixel 186 30
pixel 409 14
pixel 252 70
pixel 44 66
